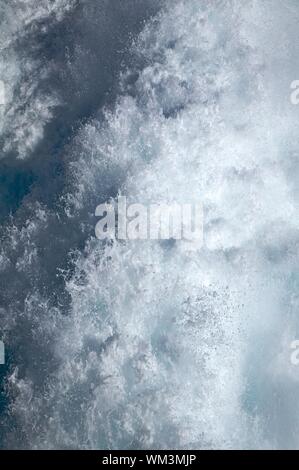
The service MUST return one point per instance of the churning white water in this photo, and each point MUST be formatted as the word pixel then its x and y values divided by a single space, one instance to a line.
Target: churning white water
pixel 153 344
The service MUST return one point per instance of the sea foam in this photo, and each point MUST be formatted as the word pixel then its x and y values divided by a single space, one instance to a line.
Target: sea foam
pixel 166 347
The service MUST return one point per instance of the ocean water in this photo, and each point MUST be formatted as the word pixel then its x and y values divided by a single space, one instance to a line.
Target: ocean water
pixel 146 344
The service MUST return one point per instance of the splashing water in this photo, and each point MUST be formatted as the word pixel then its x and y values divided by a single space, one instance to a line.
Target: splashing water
pixel 149 344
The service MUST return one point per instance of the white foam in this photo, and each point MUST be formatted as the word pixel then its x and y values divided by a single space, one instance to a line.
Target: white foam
pixel 167 349
pixel 27 108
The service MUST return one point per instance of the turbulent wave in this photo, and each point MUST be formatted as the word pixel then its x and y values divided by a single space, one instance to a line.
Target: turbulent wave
pixel 28 106
pixel 150 344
